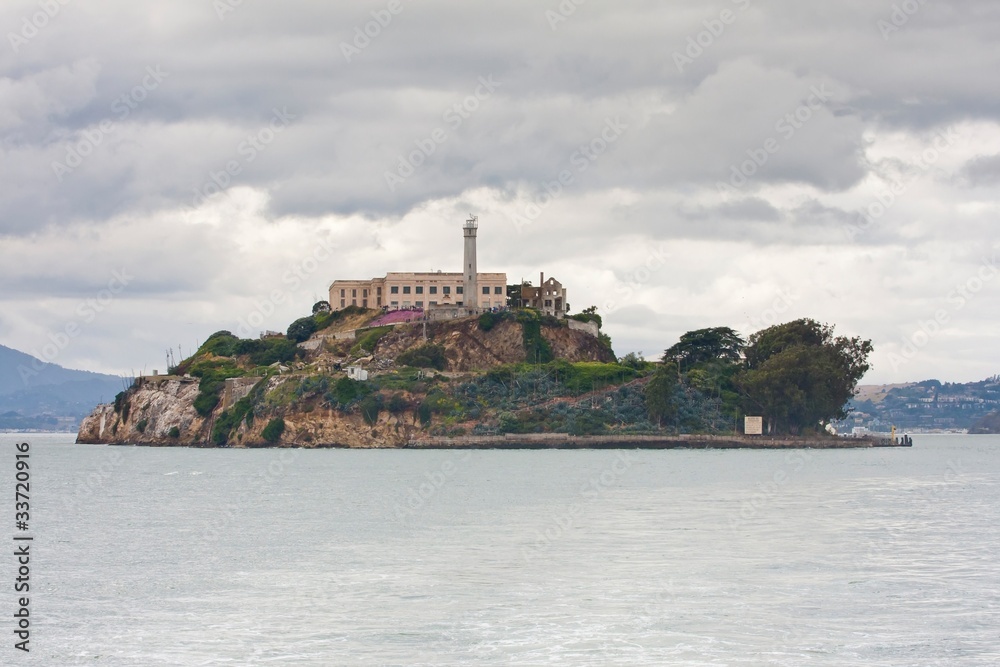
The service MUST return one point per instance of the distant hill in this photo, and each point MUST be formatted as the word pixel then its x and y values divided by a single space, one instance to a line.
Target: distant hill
pixel 927 405
pixel 39 395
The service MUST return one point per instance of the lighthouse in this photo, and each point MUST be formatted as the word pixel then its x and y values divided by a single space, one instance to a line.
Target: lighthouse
pixel 470 288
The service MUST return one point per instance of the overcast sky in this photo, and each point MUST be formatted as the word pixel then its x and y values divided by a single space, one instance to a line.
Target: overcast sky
pixel 172 169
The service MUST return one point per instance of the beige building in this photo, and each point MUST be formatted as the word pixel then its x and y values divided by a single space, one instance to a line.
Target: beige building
pixel 549 297
pixel 419 290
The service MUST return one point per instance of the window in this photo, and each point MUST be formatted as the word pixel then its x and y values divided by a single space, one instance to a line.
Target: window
pixel 342 304
pixel 354 292
pixel 420 289
pixel 379 303
pixel 394 304
pixel 419 304
pixel 394 289
pixel 406 304
pixel 459 289
pixel 486 290
pixel 434 289
pixel 406 289
pixel 343 292
pixel 354 302
pixel 433 303
pixel 364 302
pixel 364 292
pixel 446 289
pixel 498 290
pixel 548 302
pixel 378 291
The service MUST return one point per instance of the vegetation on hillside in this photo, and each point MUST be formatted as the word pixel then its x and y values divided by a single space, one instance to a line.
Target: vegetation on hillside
pixel 797 375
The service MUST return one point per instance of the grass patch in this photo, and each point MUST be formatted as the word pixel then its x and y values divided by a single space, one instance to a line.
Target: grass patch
pixel 367 341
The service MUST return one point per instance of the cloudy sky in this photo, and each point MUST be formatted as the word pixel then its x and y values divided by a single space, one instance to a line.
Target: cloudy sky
pixel 171 169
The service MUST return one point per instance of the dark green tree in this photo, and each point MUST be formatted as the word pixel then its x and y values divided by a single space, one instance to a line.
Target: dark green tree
pixel 798 374
pixel 659 393
pixel 702 345
pixel 301 329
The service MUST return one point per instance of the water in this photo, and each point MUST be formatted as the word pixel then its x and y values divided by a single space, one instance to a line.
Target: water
pixel 152 557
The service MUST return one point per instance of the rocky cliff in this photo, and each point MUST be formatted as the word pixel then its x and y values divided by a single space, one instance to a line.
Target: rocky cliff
pixel 202 405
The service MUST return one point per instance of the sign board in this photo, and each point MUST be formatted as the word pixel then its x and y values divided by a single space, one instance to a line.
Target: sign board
pixel 753 425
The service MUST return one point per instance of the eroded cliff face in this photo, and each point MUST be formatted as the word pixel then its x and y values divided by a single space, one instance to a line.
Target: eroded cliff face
pixel 149 413
pixel 160 411
pixel 155 409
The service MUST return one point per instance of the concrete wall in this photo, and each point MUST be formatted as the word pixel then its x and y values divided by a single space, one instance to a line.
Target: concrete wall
pixel 589 327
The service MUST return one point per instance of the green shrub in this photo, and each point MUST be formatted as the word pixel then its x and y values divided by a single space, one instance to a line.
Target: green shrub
pixel 122 405
pixel 425 413
pixel 301 329
pixel 174 432
pixel 369 339
pixel 429 355
pixel 489 320
pixel 231 419
pixel 272 432
pixel 221 344
pixel 141 426
pixel 536 348
pixel 371 405
pixel 397 404
pixel 346 391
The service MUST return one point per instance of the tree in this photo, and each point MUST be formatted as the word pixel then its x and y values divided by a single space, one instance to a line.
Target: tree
pixel 301 329
pixel 694 347
pixel 798 375
pixel 659 394
pixel 321 307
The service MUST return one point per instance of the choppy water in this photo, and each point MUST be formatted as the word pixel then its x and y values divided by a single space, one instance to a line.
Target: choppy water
pixel 152 557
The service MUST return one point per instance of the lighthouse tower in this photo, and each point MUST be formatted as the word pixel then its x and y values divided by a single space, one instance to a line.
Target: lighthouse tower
pixel 470 289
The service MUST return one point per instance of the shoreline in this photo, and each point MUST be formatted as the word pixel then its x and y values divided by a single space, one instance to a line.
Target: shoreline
pixel 564 441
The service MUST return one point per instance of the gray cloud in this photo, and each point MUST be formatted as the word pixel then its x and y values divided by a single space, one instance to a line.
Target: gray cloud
pixel 784 126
